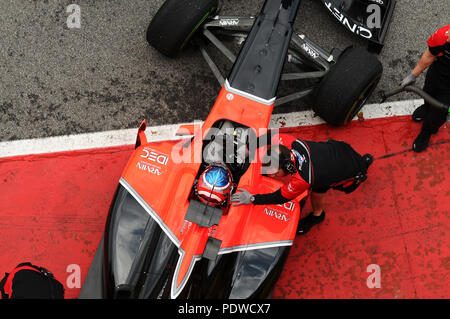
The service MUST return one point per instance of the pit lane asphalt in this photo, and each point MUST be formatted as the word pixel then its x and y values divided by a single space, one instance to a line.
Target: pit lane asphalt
pixel 104 76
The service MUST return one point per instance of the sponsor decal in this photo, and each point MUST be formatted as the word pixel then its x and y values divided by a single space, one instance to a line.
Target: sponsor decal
pixel 353 27
pixel 276 214
pixel 310 51
pixel 289 206
pixel 150 168
pixel 228 22
pixel 154 156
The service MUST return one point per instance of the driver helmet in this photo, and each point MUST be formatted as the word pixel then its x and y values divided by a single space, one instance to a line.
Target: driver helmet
pixel 214 185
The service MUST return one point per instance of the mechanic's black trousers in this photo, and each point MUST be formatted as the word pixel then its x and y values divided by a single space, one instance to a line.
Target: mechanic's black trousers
pixel 440 90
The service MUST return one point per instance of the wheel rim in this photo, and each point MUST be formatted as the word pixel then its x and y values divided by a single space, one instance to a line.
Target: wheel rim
pixel 361 100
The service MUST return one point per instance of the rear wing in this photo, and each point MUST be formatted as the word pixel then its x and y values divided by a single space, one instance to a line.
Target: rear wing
pixel 369 19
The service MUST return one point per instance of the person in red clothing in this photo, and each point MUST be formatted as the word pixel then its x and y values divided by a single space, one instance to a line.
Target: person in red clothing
pixel 437 83
pixel 318 166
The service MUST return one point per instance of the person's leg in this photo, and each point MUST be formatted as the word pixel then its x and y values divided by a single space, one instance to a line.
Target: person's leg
pixel 316 216
pixel 434 119
pixel 420 113
pixel 317 203
pixel 318 194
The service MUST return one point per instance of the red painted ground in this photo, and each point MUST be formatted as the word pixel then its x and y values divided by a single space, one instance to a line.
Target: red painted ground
pixel 53 209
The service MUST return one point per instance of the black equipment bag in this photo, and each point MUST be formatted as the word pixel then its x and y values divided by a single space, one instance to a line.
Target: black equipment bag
pixel 28 281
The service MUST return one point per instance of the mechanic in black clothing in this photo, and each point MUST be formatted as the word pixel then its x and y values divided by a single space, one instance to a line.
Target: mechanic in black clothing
pixel 318 166
pixel 437 84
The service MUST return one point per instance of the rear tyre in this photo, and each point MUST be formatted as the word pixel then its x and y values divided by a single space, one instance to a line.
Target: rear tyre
pixel 347 86
pixel 176 22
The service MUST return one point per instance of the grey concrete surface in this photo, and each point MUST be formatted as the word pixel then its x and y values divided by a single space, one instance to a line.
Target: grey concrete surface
pixel 103 76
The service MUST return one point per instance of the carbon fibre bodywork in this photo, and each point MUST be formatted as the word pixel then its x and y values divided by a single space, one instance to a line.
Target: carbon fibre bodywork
pixel 145 264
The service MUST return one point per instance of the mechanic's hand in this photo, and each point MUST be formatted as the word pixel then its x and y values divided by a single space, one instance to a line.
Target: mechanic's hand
pixel 242 198
pixel 410 79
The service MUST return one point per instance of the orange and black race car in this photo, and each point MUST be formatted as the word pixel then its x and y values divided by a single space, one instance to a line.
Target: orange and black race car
pixel 171 231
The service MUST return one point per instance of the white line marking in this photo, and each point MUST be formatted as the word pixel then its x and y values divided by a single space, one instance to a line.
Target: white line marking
pixel 84 141
pixel 370 111
pixel 165 132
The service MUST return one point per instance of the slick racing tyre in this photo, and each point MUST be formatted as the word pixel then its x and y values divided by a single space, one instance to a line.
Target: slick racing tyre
pixel 176 22
pixel 347 86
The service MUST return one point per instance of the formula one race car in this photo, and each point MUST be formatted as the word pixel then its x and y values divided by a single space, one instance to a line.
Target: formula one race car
pixel 171 231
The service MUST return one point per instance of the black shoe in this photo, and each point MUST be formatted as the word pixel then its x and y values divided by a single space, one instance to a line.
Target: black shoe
pixel 309 221
pixel 419 113
pixel 421 142
pixel 368 159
